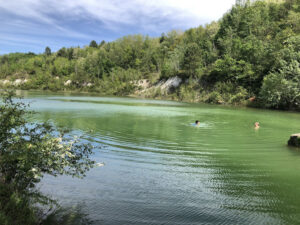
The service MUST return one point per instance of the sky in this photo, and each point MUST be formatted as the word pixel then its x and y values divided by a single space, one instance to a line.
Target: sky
pixel 31 25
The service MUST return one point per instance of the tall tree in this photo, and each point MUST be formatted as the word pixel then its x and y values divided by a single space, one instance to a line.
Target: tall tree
pixel 191 60
pixel 102 43
pixel 47 51
pixel 93 44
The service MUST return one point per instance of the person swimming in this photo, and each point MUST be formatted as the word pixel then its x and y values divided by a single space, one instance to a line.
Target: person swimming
pixel 256 125
pixel 197 122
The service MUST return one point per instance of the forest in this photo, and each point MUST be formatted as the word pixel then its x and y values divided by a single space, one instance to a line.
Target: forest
pixel 251 56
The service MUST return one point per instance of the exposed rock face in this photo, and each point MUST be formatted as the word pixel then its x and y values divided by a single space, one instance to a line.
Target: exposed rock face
pixel 17 82
pixel 5 82
pixel 85 84
pixel 171 82
pixel 144 83
pixel 164 86
pixel 294 140
pixel 68 82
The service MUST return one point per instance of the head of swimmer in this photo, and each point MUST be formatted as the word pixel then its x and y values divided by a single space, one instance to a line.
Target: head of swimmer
pixel 197 122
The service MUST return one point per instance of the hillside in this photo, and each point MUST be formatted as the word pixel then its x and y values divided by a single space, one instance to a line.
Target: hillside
pixel 253 52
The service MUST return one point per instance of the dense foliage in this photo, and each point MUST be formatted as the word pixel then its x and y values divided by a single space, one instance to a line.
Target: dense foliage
pixel 28 151
pixel 252 52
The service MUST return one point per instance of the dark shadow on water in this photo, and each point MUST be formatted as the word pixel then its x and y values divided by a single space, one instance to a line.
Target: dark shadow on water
pixel 69 216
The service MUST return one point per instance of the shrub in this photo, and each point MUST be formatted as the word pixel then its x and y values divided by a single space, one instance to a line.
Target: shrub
pixel 281 89
pixel 27 152
pixel 214 97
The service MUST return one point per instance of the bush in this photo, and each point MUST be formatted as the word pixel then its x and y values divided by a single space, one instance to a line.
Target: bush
pixel 281 89
pixel 227 92
pixel 214 97
pixel 27 152
pixel 239 97
pixel 189 92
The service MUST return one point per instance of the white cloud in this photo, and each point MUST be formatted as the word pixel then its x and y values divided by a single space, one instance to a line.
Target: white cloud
pixel 84 20
pixel 119 12
pixel 27 8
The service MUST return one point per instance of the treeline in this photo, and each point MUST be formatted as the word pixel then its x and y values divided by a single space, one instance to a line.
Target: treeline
pixel 253 52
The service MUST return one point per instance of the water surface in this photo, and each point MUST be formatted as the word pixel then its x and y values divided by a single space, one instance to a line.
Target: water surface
pixel 160 169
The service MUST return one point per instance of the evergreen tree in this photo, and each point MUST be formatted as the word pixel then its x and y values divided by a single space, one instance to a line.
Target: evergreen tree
pixel 47 51
pixel 93 44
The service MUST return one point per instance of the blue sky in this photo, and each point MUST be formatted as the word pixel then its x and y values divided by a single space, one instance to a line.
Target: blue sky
pixel 31 25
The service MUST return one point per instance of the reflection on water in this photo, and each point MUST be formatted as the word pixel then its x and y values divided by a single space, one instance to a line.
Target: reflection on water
pixel 68 216
pixel 205 125
pixel 161 169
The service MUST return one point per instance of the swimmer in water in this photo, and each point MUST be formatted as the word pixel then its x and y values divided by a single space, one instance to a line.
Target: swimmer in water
pixel 256 125
pixel 197 122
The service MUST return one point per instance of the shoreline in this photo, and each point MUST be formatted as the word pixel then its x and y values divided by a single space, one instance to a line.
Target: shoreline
pixel 164 98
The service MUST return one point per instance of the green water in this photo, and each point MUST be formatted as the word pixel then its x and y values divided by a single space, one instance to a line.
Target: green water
pixel 160 169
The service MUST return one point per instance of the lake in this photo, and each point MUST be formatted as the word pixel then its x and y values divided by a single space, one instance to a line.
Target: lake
pixel 160 169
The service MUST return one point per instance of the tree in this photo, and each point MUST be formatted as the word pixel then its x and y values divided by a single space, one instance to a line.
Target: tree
pixel 27 152
pixel 279 92
pixel 162 38
pixel 102 43
pixel 281 89
pixel 229 69
pixel 93 44
pixel 191 60
pixel 63 66
pixel 47 51
pixel 62 52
